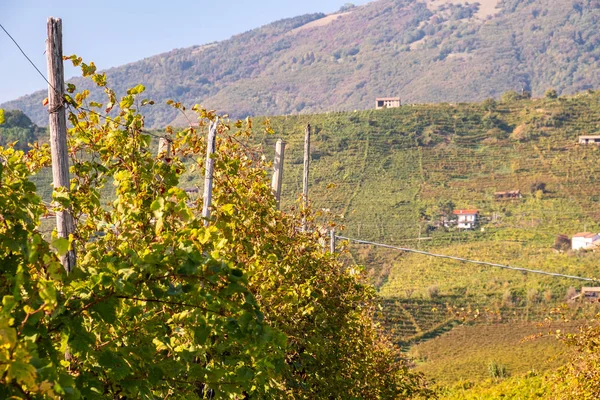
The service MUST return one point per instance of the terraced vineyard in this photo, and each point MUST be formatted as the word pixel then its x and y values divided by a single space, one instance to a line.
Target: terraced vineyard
pixel 466 353
pixel 408 321
pixel 394 172
pixel 414 321
pixel 388 175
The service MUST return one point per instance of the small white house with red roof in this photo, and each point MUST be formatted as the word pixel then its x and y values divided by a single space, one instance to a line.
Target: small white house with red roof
pixel 584 240
pixel 467 219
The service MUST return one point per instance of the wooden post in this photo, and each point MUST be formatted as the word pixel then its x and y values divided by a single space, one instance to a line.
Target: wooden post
pixel 305 179
pixel 278 170
pixel 164 147
pixel 208 174
pixel 332 241
pixel 65 224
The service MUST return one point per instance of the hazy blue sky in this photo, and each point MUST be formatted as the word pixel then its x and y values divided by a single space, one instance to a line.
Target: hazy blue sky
pixel 113 32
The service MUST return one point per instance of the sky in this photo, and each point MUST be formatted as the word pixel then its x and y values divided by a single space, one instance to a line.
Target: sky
pixel 116 32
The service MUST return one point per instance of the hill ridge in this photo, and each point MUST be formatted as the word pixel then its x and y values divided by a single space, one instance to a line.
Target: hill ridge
pixel 384 48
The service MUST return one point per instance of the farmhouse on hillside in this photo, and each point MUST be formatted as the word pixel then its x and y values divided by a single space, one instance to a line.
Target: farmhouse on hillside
pixel 590 293
pixel 584 240
pixel 510 195
pixel 387 102
pixel 467 219
pixel 589 139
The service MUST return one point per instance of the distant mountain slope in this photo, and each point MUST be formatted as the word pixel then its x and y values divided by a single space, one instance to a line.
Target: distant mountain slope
pixel 18 128
pixel 423 51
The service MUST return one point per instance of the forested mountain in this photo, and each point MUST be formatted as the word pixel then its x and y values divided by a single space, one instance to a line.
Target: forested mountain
pixel 18 128
pixel 422 51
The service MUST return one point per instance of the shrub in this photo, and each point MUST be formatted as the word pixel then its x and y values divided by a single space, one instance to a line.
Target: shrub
pixel 522 133
pixel 571 292
pixel 497 370
pixel 562 243
pixel 510 96
pixel 497 134
pixel 489 104
pixel 537 186
pixel 433 292
pixel 346 7
pixel 508 298
pixel 533 296
pixel 551 94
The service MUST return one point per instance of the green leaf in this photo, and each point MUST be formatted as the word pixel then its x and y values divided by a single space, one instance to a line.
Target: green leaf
pixel 22 372
pixel 157 204
pixel 61 245
pixel 201 333
pixel 228 209
pixel 8 335
pixel 126 101
pixel 136 90
pixel 1 116
pixel 47 290
pixel 88 70
pixel 8 303
pixel 99 79
pixel 107 310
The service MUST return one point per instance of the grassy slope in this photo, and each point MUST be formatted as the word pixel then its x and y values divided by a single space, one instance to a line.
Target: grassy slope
pixel 466 353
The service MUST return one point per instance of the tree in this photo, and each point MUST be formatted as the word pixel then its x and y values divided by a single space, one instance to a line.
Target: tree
pixel 510 96
pixel 551 94
pixel 347 7
pixel 580 379
pixel 538 186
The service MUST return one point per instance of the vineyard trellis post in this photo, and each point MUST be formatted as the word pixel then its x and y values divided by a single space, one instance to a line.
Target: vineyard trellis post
pixel 278 170
pixel 305 176
pixel 209 169
pixel 332 241
pixel 65 225
pixel 164 147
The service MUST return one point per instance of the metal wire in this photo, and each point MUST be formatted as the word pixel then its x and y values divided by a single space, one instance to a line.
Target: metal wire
pixel 489 264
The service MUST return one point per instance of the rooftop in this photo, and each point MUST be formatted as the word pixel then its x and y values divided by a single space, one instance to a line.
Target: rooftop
pixel 589 137
pixel 466 212
pixel 585 234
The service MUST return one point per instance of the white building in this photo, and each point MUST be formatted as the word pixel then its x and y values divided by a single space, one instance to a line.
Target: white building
pixel 584 240
pixel 387 102
pixel 467 219
pixel 589 139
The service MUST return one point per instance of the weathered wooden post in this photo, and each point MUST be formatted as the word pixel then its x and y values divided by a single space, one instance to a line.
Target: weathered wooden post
pixel 65 224
pixel 305 178
pixel 332 241
pixel 164 147
pixel 209 169
pixel 278 170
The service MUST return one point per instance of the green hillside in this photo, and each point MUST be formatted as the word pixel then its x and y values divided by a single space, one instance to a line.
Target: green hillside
pixel 422 51
pixel 389 175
